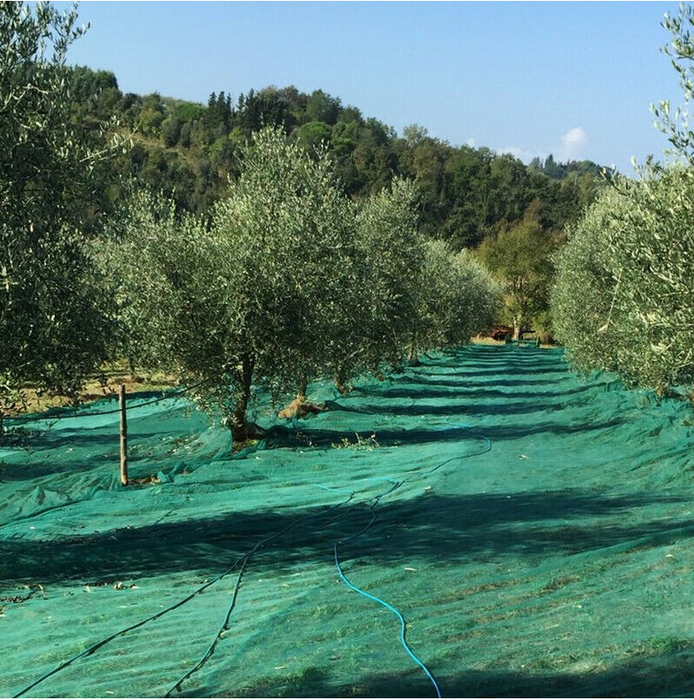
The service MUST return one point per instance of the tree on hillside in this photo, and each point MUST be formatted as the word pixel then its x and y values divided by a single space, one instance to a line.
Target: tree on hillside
pixel 53 321
pixel 189 150
pixel 373 161
pixel 321 107
pixel 519 258
pixel 424 159
pixel 467 194
pixel 313 134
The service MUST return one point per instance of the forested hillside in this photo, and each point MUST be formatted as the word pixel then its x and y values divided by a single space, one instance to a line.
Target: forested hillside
pixel 188 151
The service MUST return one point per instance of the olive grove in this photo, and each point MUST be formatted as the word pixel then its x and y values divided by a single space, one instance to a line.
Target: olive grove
pixel 288 281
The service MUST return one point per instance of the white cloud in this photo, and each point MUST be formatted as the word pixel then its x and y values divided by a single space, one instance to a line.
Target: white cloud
pixel 572 146
pixel 520 153
pixel 573 142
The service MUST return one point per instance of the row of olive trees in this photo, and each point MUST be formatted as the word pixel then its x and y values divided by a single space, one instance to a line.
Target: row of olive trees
pixel 287 281
pixel 622 299
pixel 622 296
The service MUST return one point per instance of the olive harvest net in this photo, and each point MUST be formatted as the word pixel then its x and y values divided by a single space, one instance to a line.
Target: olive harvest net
pixel 483 524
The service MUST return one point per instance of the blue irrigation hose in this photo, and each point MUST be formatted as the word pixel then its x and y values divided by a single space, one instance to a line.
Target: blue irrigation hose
pixel 395 611
pixel 395 485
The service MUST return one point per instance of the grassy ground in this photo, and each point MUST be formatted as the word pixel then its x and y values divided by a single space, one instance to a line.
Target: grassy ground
pixel 106 384
pixel 102 386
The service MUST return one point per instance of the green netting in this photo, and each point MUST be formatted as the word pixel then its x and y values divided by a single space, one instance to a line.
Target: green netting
pixel 533 530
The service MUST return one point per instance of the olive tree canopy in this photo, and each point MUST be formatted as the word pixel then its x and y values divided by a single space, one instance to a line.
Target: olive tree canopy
pixel 623 296
pixel 258 295
pixel 53 319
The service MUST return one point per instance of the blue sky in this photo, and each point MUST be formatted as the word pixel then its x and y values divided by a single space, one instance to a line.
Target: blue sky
pixel 575 79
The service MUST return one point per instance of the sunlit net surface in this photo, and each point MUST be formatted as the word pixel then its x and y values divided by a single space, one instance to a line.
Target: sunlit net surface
pixel 533 530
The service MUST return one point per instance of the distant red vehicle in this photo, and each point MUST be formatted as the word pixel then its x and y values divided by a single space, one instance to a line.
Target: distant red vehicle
pixel 501 332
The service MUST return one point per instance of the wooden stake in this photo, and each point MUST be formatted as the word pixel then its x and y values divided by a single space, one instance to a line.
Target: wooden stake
pixel 123 437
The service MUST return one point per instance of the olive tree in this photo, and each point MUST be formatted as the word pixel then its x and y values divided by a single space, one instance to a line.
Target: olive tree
pixel 622 300
pixel 519 258
pixel 675 125
pixel 413 294
pixel 583 301
pixel 622 297
pixel 393 252
pixel 477 300
pixel 457 299
pixel 287 281
pixel 289 233
pixel 53 323
pixel 252 296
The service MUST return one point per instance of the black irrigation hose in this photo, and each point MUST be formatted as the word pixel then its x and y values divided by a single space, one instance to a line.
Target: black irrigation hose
pixel 246 558
pixel 94 647
pixel 240 562
pixel 218 636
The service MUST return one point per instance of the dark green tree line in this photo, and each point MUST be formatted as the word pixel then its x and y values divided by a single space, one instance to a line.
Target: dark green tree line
pixel 188 150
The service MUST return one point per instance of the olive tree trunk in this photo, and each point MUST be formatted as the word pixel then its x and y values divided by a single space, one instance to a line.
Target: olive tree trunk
pixel 241 428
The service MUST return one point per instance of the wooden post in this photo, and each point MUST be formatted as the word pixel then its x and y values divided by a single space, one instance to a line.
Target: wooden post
pixel 123 437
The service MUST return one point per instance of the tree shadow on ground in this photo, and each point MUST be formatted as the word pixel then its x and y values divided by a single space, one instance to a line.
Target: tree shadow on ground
pixel 505 408
pixel 409 392
pixel 280 436
pixel 429 528
pixel 83 450
pixel 479 355
pixel 475 371
pixel 647 674
pixel 464 386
